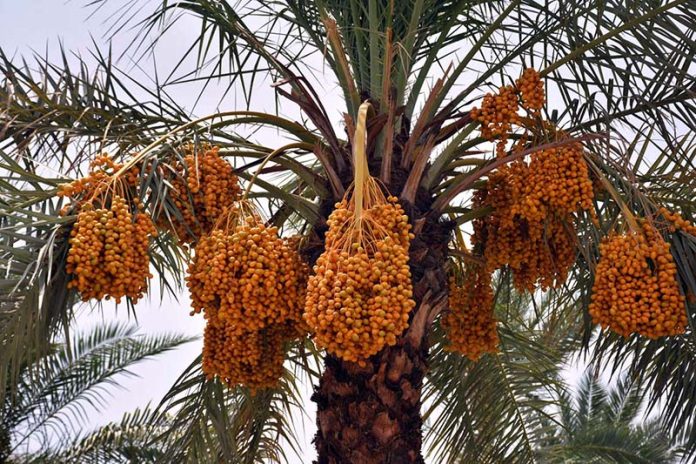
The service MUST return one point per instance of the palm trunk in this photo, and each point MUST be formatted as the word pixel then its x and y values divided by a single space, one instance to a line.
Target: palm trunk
pixel 371 415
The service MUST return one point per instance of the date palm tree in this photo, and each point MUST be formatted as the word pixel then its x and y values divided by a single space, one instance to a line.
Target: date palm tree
pixel 619 78
pixel 603 424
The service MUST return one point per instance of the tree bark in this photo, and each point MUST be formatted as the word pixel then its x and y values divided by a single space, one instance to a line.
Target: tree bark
pixel 371 414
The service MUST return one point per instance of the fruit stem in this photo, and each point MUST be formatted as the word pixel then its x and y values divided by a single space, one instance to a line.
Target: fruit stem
pixel 360 168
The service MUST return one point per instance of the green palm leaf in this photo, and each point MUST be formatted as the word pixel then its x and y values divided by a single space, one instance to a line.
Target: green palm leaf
pixel 600 426
pixel 56 395
pixel 208 422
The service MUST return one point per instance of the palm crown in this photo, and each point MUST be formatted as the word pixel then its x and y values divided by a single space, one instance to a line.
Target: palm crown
pixel 619 84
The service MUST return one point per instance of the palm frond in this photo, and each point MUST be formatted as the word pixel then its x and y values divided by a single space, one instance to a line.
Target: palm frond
pixel 209 422
pixel 57 394
pixel 125 441
pixel 600 427
pixel 492 410
pixel 625 402
pixel 591 401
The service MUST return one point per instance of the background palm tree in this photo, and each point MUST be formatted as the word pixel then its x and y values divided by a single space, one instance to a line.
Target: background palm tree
pixel 42 420
pixel 620 77
pixel 604 425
